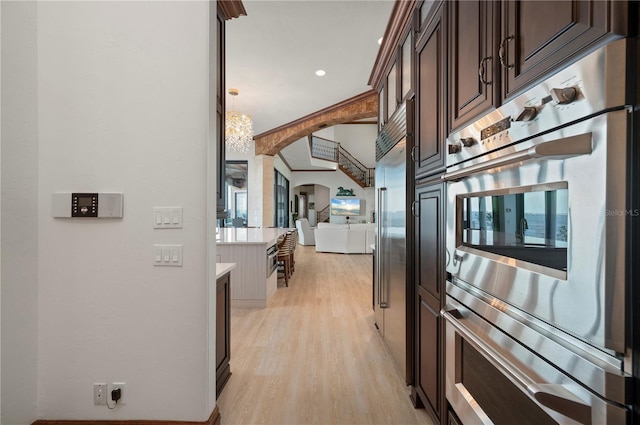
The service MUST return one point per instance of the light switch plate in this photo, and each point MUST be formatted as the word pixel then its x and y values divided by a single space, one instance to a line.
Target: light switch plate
pixel 167 217
pixel 167 255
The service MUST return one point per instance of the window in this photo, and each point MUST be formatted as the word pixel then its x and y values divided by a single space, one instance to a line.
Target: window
pixel 281 196
pixel 236 186
pixel 528 224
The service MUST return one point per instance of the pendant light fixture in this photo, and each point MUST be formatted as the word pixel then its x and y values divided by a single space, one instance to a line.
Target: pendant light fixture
pixel 238 128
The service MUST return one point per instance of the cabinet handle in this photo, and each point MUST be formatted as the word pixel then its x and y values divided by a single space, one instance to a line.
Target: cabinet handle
pixel 501 52
pixel 413 153
pixel 414 209
pixel 482 71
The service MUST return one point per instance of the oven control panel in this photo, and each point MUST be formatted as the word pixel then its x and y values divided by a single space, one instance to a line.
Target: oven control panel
pixel 589 86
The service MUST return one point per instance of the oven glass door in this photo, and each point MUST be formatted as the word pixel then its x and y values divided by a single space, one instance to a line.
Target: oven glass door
pixel 528 224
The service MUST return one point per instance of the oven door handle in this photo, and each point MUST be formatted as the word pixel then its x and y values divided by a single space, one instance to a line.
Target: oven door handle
pixel 554 396
pixel 555 149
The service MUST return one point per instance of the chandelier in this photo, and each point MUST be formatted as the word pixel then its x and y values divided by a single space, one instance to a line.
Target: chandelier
pixel 238 128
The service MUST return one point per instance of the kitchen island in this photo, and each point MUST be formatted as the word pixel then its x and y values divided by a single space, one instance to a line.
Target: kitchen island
pixel 255 279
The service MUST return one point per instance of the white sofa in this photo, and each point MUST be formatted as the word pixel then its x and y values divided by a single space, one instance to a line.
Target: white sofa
pixel 344 238
pixel 305 232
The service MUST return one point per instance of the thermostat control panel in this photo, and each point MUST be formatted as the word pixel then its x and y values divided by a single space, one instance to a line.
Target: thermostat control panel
pixel 96 205
pixel 84 205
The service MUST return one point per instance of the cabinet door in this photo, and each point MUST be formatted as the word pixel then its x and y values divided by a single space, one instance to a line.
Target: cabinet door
pixel 223 331
pixel 429 248
pixel 430 98
pixel 428 359
pixel 429 239
pixel 538 36
pixel 392 90
pixel 473 62
pixel 428 343
pixel 382 103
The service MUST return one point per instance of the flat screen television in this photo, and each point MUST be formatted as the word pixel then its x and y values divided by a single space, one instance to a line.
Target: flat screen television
pixel 345 206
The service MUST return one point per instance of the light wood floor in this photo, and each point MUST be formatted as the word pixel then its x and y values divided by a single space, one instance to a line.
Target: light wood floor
pixel 313 356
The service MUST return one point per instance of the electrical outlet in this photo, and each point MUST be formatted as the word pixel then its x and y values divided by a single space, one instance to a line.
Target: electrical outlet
pixel 99 393
pixel 123 393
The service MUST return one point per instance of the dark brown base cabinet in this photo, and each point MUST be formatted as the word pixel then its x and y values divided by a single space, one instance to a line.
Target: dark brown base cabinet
pixel 429 278
pixel 223 331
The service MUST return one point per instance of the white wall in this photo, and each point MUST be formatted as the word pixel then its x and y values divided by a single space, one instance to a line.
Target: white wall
pixel 122 105
pixel 19 181
pixel 326 133
pixel 359 140
pixel 322 196
pixel 333 180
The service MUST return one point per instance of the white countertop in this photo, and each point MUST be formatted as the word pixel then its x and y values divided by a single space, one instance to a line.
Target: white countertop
pixel 224 268
pixel 249 236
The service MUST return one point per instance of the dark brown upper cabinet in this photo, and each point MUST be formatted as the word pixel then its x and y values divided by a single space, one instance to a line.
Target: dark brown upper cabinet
pixel 500 49
pixel 398 84
pixel 392 89
pixel 406 66
pixel 382 103
pixel 538 36
pixel 474 67
pixel 431 71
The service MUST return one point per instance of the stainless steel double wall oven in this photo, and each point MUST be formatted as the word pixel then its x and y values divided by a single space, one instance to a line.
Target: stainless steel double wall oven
pixel 537 216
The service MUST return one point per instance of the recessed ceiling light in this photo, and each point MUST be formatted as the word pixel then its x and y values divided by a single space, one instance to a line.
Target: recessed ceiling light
pixel 321 73
pixel 380 40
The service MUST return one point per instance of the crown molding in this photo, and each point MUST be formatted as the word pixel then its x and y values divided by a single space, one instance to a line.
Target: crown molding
pixel 398 21
pixel 231 9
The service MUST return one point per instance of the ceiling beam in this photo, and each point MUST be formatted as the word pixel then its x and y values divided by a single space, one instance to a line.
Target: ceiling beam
pixel 364 105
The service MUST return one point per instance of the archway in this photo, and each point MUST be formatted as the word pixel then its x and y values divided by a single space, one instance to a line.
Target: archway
pixel 311 201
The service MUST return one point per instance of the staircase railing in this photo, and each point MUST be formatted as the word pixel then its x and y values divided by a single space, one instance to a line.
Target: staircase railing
pixel 348 164
pixel 322 215
pixel 354 168
pixel 323 148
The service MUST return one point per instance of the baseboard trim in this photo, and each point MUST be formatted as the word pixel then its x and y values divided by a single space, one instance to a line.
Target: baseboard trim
pixel 214 419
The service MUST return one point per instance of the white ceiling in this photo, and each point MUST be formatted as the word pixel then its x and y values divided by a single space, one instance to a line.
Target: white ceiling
pixel 273 52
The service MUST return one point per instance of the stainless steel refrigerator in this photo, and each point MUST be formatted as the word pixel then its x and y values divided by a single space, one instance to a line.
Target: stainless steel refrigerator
pixel 390 290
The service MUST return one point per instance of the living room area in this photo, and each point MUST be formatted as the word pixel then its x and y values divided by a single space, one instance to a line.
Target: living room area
pixel 274 191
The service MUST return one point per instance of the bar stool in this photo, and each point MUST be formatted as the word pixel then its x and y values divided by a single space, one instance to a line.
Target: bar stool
pixel 294 244
pixel 284 258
